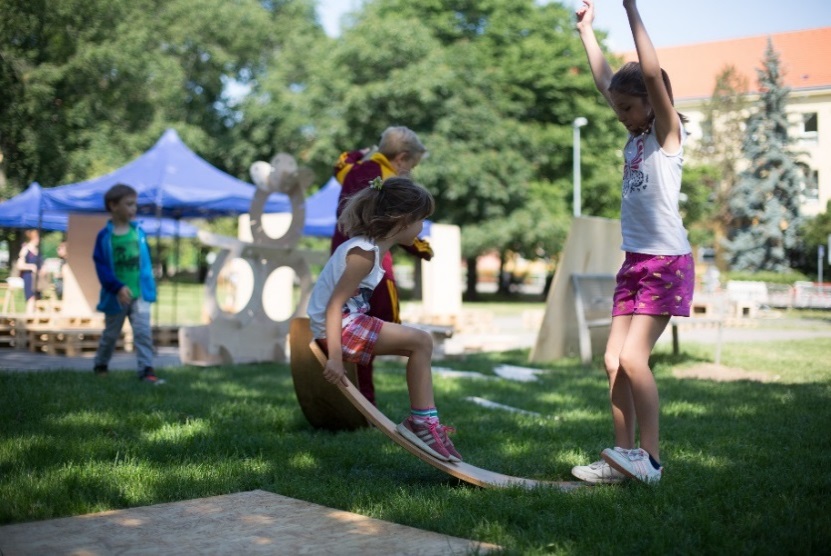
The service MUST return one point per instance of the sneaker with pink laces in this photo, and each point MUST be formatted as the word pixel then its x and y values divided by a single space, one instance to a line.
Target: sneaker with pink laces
pixel 426 436
pixel 448 444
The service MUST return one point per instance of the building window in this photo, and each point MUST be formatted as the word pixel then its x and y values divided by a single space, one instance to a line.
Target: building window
pixel 806 131
pixel 809 123
pixel 810 188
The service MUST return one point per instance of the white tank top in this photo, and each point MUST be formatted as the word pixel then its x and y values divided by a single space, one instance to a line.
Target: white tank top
pixel 649 217
pixel 359 301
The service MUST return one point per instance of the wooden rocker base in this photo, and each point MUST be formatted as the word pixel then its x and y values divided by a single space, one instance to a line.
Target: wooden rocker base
pixel 463 471
pixel 323 406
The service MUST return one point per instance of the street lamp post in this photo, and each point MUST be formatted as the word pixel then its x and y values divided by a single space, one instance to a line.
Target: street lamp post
pixel 578 123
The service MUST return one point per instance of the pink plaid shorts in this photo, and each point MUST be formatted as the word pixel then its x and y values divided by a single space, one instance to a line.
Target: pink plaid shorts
pixel 358 339
pixel 655 285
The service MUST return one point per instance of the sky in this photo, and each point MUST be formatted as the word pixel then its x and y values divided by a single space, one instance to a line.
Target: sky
pixel 672 22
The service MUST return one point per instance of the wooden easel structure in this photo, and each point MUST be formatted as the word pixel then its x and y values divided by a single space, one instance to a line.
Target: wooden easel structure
pixel 307 366
pixel 592 247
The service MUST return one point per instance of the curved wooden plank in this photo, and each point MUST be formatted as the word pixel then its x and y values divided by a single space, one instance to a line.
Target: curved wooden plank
pixel 322 405
pixel 463 471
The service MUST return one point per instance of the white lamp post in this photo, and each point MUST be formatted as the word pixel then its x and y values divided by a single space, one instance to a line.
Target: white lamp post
pixel 578 123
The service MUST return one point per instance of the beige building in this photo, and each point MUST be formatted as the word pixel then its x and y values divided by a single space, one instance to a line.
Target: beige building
pixel 805 63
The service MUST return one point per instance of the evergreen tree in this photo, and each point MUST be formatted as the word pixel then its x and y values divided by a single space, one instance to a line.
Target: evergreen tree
pixel 764 203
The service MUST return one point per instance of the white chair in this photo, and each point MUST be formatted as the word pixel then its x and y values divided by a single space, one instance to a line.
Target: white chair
pixel 13 284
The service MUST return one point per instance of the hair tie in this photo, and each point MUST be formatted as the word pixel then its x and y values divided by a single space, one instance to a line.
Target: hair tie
pixel 376 183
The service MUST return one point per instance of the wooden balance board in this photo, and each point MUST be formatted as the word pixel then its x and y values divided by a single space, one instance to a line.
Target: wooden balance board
pixel 461 470
pixel 321 402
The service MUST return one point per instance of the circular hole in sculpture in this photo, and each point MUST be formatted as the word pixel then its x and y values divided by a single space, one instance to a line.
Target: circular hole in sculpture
pixel 270 227
pixel 234 286
pixel 281 293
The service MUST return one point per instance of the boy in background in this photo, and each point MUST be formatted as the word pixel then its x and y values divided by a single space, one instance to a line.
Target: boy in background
pixel 122 262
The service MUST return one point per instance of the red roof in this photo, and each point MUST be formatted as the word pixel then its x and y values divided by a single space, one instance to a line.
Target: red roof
pixel 805 58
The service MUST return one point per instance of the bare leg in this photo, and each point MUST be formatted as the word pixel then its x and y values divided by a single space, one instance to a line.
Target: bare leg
pixel 644 331
pixel 620 390
pixel 417 346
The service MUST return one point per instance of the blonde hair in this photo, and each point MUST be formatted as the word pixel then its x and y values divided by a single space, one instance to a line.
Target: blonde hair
pixel 399 139
pixel 378 213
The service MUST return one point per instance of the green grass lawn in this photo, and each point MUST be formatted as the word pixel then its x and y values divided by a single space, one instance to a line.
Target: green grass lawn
pixel 748 464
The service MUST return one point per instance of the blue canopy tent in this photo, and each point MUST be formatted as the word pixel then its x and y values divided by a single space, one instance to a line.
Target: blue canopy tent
pixel 24 211
pixel 171 180
pixel 321 209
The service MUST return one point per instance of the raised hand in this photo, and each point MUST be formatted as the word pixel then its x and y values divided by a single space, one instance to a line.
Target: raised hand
pixel 585 14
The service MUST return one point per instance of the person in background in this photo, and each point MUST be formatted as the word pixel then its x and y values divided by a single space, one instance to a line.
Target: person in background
pixel 29 264
pixel 57 280
pixel 125 271
pixel 398 152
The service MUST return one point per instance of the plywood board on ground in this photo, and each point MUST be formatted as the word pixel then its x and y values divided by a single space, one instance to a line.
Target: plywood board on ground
pixel 255 522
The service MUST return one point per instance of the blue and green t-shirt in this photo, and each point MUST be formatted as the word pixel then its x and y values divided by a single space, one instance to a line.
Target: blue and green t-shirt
pixel 126 260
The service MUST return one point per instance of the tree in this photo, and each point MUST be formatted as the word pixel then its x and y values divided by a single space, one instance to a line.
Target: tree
pixel 723 130
pixel 491 86
pixel 764 203
pixel 814 233
pixel 88 85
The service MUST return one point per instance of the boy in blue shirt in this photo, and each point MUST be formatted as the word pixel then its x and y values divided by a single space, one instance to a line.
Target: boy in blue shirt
pixel 122 262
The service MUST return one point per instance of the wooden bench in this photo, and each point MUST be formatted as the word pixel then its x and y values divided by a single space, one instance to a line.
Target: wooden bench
pixel 593 299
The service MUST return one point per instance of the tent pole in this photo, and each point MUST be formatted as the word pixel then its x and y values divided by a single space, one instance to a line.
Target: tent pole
pixel 39 260
pixel 176 283
pixel 158 260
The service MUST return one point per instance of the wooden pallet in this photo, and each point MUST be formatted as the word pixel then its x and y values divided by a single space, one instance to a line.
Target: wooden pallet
pixel 72 341
pixel 166 335
pixel 9 334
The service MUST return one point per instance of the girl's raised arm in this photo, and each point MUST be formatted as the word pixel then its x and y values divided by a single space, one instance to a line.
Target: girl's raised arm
pixel 667 122
pixel 601 71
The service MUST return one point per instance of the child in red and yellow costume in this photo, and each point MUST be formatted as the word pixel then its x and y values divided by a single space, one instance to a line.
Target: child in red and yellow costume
pixel 398 152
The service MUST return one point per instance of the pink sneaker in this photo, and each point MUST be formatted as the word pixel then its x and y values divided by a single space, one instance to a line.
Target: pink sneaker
pixel 448 444
pixel 427 437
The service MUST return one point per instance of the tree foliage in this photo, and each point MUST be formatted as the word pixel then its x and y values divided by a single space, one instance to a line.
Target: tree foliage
pixel 491 86
pixel 90 84
pixel 765 201
pixel 815 232
pixel 720 148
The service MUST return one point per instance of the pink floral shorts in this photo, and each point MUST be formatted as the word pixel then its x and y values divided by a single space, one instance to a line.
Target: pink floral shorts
pixel 655 285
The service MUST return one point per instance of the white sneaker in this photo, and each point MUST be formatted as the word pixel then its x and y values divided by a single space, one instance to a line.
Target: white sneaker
pixel 597 473
pixel 633 463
